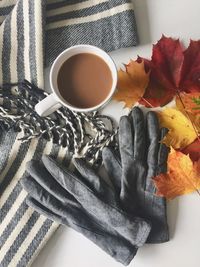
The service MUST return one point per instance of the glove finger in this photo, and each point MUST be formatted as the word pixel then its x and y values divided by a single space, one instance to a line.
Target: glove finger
pixel 40 174
pixel 106 238
pixel 71 215
pixel 139 133
pixel 113 167
pixel 162 154
pixel 34 189
pixel 91 179
pixel 50 202
pixel 126 137
pixel 76 218
pixel 36 205
pixel 86 176
pixel 88 181
pixel 135 230
pixel 153 141
pixel 99 208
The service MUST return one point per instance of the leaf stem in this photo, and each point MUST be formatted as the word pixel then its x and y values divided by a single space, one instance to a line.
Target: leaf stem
pixel 147 102
pixel 198 192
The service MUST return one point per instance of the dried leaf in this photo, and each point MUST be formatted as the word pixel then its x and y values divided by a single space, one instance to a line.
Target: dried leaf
pixel 193 150
pixel 190 76
pixel 166 66
pixel 183 176
pixel 181 132
pixel 188 105
pixel 131 83
pixel 173 70
pixel 196 100
pixel 167 60
pixel 156 95
pixel 191 102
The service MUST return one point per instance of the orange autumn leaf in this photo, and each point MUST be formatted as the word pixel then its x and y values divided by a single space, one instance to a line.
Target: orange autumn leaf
pixel 189 105
pixel 132 83
pixel 183 176
pixel 190 102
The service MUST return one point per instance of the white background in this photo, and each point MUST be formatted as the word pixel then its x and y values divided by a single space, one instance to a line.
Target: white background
pixel 176 18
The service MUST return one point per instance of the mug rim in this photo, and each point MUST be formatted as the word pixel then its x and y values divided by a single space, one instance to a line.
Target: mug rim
pixel 113 71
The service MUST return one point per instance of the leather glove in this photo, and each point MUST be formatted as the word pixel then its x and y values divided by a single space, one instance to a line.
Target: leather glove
pixel 85 202
pixel 142 157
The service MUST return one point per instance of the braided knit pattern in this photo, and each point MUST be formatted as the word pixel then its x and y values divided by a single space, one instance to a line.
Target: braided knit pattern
pixel 85 134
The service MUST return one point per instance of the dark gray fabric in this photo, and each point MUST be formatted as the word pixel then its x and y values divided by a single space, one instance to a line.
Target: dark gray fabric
pixel 86 203
pixel 142 157
pixel 108 34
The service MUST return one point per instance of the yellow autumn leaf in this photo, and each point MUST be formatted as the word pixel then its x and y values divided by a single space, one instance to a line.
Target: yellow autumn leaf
pixel 183 177
pixel 132 83
pixel 181 132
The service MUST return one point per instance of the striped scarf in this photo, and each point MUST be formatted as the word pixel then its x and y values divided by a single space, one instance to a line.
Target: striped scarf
pixel 32 34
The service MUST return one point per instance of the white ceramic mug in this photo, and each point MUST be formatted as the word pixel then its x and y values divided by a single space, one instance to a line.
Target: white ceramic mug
pixel 54 101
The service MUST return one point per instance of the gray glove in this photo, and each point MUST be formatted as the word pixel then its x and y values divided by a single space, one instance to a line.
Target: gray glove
pixel 86 203
pixel 142 157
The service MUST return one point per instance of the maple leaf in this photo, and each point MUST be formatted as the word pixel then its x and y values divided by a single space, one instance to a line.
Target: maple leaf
pixel 131 83
pixel 187 103
pixel 173 70
pixel 190 76
pixel 193 150
pixel 167 60
pixel 166 68
pixel 156 95
pixel 181 132
pixel 183 177
pixel 197 102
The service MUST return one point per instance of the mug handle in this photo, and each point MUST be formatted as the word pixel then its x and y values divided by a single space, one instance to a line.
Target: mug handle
pixel 47 106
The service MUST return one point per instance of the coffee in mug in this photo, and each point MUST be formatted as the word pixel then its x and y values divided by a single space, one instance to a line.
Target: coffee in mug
pixel 83 78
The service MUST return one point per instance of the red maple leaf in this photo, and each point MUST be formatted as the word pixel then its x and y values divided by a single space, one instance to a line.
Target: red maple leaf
pixel 193 150
pixel 172 70
pixel 190 76
pixel 155 94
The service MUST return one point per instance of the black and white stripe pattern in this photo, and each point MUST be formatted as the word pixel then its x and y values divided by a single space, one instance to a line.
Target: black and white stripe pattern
pixel 20 225
pixel 109 24
pixel 32 34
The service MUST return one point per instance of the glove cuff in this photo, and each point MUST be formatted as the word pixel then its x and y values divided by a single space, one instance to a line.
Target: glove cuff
pixel 128 260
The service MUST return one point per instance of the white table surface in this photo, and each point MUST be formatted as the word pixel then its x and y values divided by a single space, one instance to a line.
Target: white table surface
pixel 176 18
